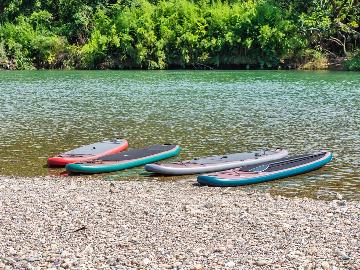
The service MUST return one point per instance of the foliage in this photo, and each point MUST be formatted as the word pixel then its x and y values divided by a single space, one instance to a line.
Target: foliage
pixel 29 44
pixel 158 34
pixel 354 62
pixel 313 60
pixel 333 25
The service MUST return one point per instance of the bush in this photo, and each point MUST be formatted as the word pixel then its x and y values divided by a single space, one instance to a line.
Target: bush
pixel 353 63
pixel 158 34
pixel 313 60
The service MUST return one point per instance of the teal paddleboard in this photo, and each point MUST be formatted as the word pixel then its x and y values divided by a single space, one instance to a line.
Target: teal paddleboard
pixel 125 160
pixel 267 171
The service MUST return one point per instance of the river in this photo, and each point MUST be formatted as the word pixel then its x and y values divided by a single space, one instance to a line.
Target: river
pixel 206 112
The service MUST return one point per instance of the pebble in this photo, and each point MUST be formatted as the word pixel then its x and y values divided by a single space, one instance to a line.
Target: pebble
pixel 311 250
pixel 209 205
pixel 177 264
pixel 146 261
pixel 325 265
pixel 12 251
pixel 33 258
pixel 339 196
pixel 66 264
pixel 220 249
pixel 65 254
pixel 345 257
pixel 341 203
pixel 347 222
pixel 169 225
pixel 261 262
pixel 230 264
pixel 342 255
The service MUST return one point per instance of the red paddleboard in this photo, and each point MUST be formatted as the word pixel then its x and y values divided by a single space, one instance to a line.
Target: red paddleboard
pixel 88 152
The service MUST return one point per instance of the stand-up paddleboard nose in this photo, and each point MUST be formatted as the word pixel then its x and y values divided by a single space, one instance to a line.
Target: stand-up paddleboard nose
pixel 88 152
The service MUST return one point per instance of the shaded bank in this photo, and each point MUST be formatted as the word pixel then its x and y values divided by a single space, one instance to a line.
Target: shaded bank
pixel 200 34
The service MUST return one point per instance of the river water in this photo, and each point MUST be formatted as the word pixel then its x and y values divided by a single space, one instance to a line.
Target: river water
pixel 206 112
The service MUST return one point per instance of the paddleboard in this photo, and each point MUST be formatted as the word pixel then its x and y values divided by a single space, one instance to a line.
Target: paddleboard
pixel 216 163
pixel 88 152
pixel 126 159
pixel 267 171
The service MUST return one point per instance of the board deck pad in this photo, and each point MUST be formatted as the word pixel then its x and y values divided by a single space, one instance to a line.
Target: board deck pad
pixel 282 164
pixel 91 149
pixel 138 153
pixel 228 158
pixel 267 171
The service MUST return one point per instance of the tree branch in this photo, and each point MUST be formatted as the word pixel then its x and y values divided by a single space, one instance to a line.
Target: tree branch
pixel 336 40
pixel 329 52
pixel 352 30
pixel 339 42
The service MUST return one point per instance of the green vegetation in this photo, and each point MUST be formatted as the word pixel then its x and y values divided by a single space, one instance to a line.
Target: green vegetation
pixel 158 34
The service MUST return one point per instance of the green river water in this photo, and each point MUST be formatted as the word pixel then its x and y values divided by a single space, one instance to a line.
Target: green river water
pixel 206 112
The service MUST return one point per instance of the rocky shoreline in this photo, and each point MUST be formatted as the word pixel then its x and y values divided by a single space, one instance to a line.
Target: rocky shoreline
pixel 80 223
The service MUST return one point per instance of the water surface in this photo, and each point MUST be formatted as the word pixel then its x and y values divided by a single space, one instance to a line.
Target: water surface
pixel 206 112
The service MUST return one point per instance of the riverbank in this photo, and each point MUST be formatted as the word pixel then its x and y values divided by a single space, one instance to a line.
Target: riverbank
pixel 181 34
pixel 311 63
pixel 80 223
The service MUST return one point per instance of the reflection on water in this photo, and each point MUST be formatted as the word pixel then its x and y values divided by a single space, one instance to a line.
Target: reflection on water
pixel 46 112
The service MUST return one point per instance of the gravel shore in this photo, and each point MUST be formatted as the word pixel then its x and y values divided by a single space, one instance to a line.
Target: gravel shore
pixel 80 223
